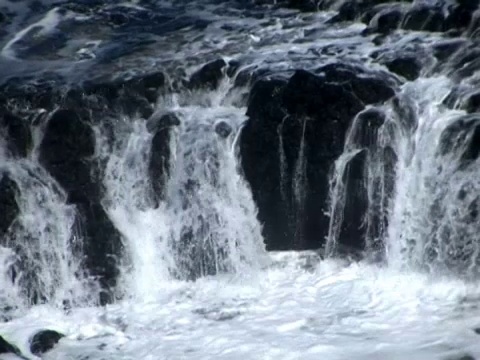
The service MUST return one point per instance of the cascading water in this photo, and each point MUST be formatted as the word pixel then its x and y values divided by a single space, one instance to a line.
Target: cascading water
pixel 42 250
pixel 135 196
pixel 420 200
pixel 204 222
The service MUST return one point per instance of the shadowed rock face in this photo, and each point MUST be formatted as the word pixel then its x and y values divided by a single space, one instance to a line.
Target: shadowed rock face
pixel 295 133
pixel 9 209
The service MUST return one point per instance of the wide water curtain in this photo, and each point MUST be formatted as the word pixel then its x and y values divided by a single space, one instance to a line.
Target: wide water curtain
pixel 189 166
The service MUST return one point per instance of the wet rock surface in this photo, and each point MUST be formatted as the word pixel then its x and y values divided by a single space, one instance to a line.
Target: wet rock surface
pixel 43 341
pixel 9 208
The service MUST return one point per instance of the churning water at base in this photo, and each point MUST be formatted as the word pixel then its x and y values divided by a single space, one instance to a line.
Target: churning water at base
pixel 298 308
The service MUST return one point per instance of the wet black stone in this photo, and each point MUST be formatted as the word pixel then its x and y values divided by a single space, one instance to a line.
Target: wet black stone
pixel 9 209
pixel 367 125
pixel 365 10
pixel 102 246
pixel 472 103
pixel 460 14
pixel 462 138
pixel 209 76
pixel 424 18
pixel 157 122
pixel 44 341
pixel 304 5
pixel 223 129
pixel 444 49
pixel 408 67
pixel 17 131
pixel 385 21
pixel 65 151
pixel 474 28
pixel 313 110
pixel 465 62
pixel 353 228
pixel 7 348
pixel 159 164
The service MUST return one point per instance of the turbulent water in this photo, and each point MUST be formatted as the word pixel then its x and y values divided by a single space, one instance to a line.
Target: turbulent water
pixel 244 303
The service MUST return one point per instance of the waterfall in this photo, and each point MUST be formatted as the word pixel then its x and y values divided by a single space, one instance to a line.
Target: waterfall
pixel 204 221
pixel 414 163
pixel 41 253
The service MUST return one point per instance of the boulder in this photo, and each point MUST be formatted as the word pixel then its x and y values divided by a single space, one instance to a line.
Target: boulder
pixel 209 76
pixel 9 209
pixel 44 341
pixel 295 132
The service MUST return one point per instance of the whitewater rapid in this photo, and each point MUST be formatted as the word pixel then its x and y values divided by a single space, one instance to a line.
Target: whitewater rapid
pixel 298 308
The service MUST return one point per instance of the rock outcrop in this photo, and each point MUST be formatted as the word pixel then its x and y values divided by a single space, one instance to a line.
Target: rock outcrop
pixel 295 132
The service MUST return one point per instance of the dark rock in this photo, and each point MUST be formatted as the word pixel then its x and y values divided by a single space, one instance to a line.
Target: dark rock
pixel 350 10
pixel 460 14
pixel 461 139
pixel 305 5
pixel 223 129
pixel 9 209
pixel 474 28
pixel 370 88
pixel 261 161
pixel 477 331
pixel 385 21
pixel 44 341
pixel 17 131
pixel 102 245
pixel 424 18
pixel 131 96
pixel 465 62
pixel 7 348
pixel 472 103
pixel 365 128
pixel 353 228
pixel 65 151
pixel 159 164
pixel 295 132
pixel 446 48
pixel 158 122
pixel 209 76
pixel 408 67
